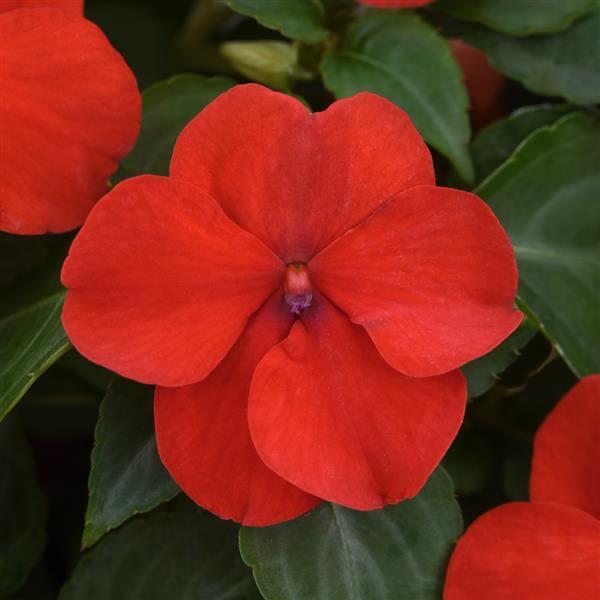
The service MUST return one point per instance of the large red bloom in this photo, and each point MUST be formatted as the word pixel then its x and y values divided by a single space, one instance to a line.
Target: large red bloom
pixel 69 111
pixel 281 287
pixel 73 6
pixel 548 548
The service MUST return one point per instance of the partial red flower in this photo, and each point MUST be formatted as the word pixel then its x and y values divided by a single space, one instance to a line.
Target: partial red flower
pixel 396 3
pixel 73 6
pixel 484 83
pixel 550 547
pixel 281 287
pixel 69 111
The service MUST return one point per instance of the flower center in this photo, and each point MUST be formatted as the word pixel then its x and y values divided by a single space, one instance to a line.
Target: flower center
pixel 297 288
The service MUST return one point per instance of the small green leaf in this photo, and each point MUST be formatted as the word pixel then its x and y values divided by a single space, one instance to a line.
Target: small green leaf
pixel 168 107
pixel 565 64
pixel 335 553
pixel 185 555
pixel 127 476
pixel 494 144
pixel 22 510
pixel 296 19
pixel 483 372
pixel 30 329
pixel 519 18
pixel 547 196
pixel 399 56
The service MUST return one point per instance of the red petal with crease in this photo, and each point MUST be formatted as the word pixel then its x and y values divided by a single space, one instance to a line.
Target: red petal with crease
pixel 527 551
pixel 161 282
pixel 330 415
pixel 432 277
pixel 294 179
pixel 69 109
pixel 204 440
pixel 566 451
pixel 72 6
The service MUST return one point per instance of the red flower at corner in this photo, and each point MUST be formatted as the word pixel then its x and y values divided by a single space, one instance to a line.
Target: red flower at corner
pixel 550 547
pixel 69 111
pixel 303 296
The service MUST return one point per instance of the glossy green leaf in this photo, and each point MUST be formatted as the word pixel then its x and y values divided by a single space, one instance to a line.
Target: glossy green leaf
pixel 335 553
pixel 168 107
pixel 547 196
pixel 565 64
pixel 186 555
pixel 30 329
pixel 399 56
pixel 483 372
pixel 519 18
pixel 296 19
pixel 494 144
pixel 127 476
pixel 22 510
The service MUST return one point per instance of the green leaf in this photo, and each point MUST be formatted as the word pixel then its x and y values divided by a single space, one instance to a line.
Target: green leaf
pixel 399 56
pixel 22 510
pixel 470 460
pixel 168 107
pixel 30 329
pixel 519 18
pixel 296 19
pixel 483 372
pixel 127 476
pixel 335 553
pixel 565 64
pixel 494 144
pixel 547 196
pixel 185 555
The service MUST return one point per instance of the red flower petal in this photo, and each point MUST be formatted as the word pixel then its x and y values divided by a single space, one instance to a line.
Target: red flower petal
pixel 431 276
pixel 161 282
pixel 566 451
pixel 69 109
pixel 396 3
pixel 527 551
pixel 72 6
pixel 483 82
pixel 204 440
pixel 297 180
pixel 329 415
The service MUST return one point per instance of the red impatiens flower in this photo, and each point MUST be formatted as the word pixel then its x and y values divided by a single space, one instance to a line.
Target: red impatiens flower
pixel 303 296
pixel 396 3
pixel 483 82
pixel 73 6
pixel 69 111
pixel 548 548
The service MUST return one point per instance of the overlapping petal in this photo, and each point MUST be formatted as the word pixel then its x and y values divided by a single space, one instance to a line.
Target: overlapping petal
pixel 72 6
pixel 294 179
pixel 329 415
pixel 527 551
pixel 566 451
pixel 431 275
pixel 204 440
pixel 69 110
pixel 161 282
